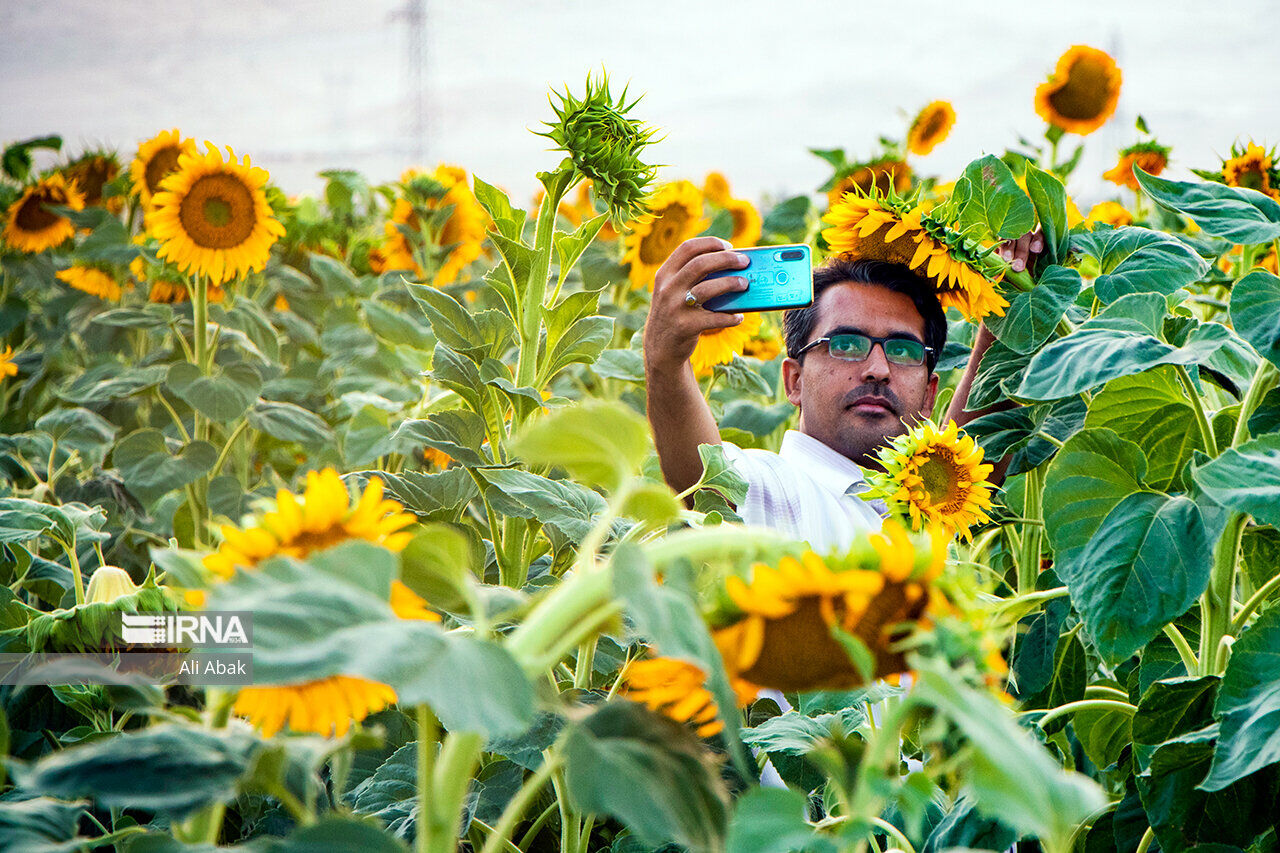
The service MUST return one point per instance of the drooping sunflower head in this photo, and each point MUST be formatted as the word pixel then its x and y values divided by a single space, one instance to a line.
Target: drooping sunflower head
pixel 30 226
pixel 92 280
pixel 718 346
pixel 889 228
pixel 748 225
pixel 157 158
pixel 438 207
pixel 212 217
pixel 1252 167
pixel 935 477
pixel 1151 157
pixel 675 215
pixel 778 627
pixel 1082 92
pixel 91 173
pixel 885 175
pixel 676 689
pixel 930 127
pixel 323 516
pixel 605 145
pixel 7 367
pixel 1112 213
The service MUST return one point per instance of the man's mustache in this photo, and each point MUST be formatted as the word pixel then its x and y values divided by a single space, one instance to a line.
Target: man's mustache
pixel 873 390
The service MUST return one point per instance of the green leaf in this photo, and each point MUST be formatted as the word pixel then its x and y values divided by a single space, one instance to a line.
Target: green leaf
pixel 438 563
pixel 599 443
pixel 1245 478
pixel 166 768
pixel 1050 200
pixel 740 376
pixel 1104 734
pixel 248 317
pixel 999 371
pixel 996 204
pixel 222 396
pixel 1255 313
pixel 39 824
pixel 393 326
pixel 510 220
pixel 151 467
pixel 333 834
pixel 112 381
pixel 1146 565
pixel 457 432
pixel 149 316
pixel 581 343
pixel 569 247
pixel 650 773
pixel 1248 705
pixel 459 374
pixel 335 277
pixel 450 322
pixel 390 793
pixel 431 497
pixel 288 422
pixel 1238 214
pixel 1093 472
pixel 1170 708
pixel 719 475
pixel 652 503
pixel 561 504
pixel 966 828
pixel 1151 410
pixel 1113 344
pixel 1139 260
pixel 16 159
pixel 79 429
pixel 1033 315
pixel 772 820
pixel 788 218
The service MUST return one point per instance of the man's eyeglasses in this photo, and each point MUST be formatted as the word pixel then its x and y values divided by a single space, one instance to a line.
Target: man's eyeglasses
pixel 851 346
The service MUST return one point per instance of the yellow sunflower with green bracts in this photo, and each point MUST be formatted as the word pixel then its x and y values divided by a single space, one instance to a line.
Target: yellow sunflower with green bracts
pixel 7 367
pixel 91 280
pixel 1082 92
pixel 157 158
pixel 676 689
pixel 212 218
pixel 675 215
pixel 776 630
pixel 1254 168
pixel 30 226
pixel 887 228
pixel 718 346
pixel 1151 157
pixel 879 176
pixel 463 233
pixel 936 477
pixel 930 127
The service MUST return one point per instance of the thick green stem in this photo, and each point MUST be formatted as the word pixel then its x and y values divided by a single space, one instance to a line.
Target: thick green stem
pixel 1255 601
pixel 1264 378
pixel 459 756
pixel 1029 564
pixel 1197 406
pixel 428 732
pixel 579 596
pixel 536 287
pixel 1216 607
pixel 1084 705
pixel 1184 648
pixel 76 578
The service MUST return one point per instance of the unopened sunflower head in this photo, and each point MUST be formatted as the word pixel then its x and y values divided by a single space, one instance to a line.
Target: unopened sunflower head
pixel 886 227
pixel 935 477
pixel 605 145
pixel 780 626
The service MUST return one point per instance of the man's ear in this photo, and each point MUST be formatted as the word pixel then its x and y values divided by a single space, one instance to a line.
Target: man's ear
pixel 930 395
pixel 791 380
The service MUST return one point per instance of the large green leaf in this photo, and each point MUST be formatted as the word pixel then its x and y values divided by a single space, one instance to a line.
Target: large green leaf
pixel 996 206
pixel 1248 705
pixel 1238 214
pixel 1150 409
pixel 222 396
pixel 288 422
pixel 330 834
pixel 1139 260
pixel 39 824
pixel 558 503
pixel 151 468
pixel 510 220
pixel 457 432
pixel 582 343
pixel 772 820
pixel 999 372
pixel 390 793
pixel 451 323
pixel 1118 342
pixel 599 443
pixel 79 429
pixel 1092 473
pixel 1146 564
pixel 112 381
pixel 1032 315
pixel 1050 200
pixel 1255 312
pixel 166 768
pixel 431 497
pixel 648 772
pixel 1169 708
pixel 1246 478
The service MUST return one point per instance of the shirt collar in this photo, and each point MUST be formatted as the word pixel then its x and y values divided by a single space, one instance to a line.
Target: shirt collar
pixel 831 470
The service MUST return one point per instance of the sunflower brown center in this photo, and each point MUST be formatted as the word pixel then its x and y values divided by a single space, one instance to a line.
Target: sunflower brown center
pixel 1252 177
pixel 32 216
pixel 1086 91
pixel 941 476
pixel 932 125
pixel 665 235
pixel 217 212
pixel 160 165
pixel 799 652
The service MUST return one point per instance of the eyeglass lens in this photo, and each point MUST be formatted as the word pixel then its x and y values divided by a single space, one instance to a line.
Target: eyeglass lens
pixel 896 350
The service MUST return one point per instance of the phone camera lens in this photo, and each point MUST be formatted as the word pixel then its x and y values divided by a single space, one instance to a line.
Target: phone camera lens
pixel 793 255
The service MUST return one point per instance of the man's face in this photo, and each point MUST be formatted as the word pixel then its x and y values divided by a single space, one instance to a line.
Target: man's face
pixel 854 406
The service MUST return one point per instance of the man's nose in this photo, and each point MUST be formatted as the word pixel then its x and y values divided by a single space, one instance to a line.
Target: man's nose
pixel 875 367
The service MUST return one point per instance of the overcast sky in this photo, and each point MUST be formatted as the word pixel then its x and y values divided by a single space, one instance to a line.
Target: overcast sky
pixel 744 87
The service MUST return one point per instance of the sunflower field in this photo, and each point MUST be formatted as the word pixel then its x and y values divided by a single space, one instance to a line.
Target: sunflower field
pixel 402 426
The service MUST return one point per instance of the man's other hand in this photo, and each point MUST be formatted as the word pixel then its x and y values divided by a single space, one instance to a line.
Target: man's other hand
pixel 1020 253
pixel 672 330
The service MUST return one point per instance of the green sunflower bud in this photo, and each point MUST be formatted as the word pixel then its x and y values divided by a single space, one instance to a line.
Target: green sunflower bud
pixel 604 145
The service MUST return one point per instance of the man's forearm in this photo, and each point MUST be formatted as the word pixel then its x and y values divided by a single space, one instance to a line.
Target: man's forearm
pixel 681 420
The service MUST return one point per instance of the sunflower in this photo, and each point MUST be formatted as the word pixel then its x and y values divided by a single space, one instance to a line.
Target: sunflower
pixel 1252 168
pixel 716 188
pixel 1082 92
pixel 885 228
pixel 212 217
pixel 91 280
pixel 30 226
pixel 1110 212
pixel 937 477
pixel 930 127
pixel 436 458
pixel 92 173
pixel 1151 157
pixel 882 175
pixel 7 367
pixel 676 689
pixel 322 518
pixel 747 223
pixel 675 215
pixel 718 346
pixel 462 234
pixel 765 345
pixel 777 629
pixel 157 159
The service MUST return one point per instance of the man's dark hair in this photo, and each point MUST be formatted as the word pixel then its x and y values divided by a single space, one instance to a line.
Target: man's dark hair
pixel 798 323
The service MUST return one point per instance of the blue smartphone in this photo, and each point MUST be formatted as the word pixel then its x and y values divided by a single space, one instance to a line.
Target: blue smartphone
pixel 777 277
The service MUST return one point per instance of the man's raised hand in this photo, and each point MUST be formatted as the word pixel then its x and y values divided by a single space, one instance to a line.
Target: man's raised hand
pixel 672 330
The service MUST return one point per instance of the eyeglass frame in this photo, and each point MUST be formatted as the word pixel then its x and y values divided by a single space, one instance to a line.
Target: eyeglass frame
pixel 874 340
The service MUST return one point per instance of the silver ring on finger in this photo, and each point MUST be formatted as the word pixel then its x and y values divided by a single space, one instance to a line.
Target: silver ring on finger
pixel 691 300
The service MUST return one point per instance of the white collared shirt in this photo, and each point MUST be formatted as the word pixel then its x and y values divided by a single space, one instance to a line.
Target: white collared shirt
pixel 805 490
